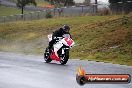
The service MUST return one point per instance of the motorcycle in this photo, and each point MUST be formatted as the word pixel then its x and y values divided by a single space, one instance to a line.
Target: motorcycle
pixel 61 47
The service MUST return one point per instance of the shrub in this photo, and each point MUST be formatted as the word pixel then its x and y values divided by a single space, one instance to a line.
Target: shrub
pixel 104 11
pixel 48 15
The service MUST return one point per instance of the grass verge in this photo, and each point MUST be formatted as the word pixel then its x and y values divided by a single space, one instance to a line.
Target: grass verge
pixel 97 38
pixel 7 11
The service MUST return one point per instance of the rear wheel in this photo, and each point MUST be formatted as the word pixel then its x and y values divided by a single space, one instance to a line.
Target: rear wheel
pixel 47 56
pixel 65 58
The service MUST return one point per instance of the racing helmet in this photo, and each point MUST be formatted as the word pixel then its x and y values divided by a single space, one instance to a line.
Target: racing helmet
pixel 66 28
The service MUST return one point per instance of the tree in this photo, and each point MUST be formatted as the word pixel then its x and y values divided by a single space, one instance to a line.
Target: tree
pixel 96 6
pixel 22 3
pixel 114 1
pixel 61 2
pixel 50 1
pixel 118 6
pixel 87 2
pixel 0 3
pixel 68 2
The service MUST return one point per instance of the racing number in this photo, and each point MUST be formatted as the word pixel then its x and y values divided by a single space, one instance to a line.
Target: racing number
pixel 69 41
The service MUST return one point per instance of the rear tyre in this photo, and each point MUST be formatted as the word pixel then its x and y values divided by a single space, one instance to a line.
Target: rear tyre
pixel 65 58
pixel 47 56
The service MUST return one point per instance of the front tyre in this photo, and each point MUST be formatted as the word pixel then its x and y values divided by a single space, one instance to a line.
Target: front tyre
pixel 47 56
pixel 65 57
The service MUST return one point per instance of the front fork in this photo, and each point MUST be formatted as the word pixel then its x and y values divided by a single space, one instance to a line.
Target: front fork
pixel 63 52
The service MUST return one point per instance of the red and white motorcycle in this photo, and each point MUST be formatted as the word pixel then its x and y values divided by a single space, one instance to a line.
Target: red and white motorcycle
pixel 60 50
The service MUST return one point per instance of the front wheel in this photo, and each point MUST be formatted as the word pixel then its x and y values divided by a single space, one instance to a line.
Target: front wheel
pixel 65 58
pixel 47 56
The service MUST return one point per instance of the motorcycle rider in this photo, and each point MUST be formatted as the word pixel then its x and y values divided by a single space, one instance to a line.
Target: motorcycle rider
pixel 59 33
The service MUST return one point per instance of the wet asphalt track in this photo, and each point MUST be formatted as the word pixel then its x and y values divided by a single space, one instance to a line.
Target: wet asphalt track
pixel 30 71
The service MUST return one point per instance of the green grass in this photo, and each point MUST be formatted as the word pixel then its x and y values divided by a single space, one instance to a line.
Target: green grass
pixel 109 43
pixel 95 38
pixel 6 11
pixel 41 3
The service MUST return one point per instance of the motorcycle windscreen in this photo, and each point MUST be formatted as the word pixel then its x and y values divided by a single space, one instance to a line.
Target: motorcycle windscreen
pixel 66 36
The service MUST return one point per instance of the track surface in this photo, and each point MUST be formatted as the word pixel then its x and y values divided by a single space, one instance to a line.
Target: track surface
pixel 30 71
